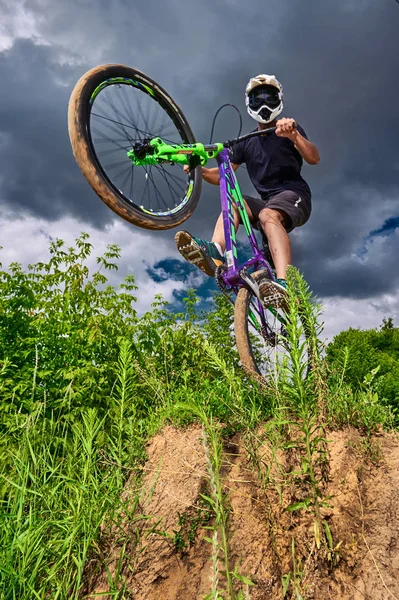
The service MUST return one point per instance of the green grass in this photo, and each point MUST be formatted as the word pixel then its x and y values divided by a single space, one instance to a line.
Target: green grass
pixel 53 505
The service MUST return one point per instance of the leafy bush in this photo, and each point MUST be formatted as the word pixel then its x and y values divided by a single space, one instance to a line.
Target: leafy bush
pixel 369 350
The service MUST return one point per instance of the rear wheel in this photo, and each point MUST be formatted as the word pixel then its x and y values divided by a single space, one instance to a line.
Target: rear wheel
pixel 261 337
pixel 113 107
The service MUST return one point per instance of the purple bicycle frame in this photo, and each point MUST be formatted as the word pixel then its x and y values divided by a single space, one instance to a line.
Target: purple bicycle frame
pixel 230 193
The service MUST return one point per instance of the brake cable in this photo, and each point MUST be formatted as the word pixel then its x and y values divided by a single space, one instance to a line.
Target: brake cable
pixel 216 114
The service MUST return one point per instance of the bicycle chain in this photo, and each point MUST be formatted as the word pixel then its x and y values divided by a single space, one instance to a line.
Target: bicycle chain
pixel 221 284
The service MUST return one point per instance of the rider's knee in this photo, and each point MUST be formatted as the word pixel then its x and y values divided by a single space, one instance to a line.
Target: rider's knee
pixel 270 216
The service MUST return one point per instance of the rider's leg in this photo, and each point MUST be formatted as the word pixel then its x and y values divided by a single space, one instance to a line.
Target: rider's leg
pixel 273 224
pixel 218 233
pixel 207 255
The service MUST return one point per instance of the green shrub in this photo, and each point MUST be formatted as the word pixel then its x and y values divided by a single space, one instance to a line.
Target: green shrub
pixel 368 350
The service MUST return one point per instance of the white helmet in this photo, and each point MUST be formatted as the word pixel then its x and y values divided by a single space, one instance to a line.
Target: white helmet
pixel 264 98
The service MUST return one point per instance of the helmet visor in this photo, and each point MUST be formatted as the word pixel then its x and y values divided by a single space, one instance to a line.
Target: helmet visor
pixel 264 95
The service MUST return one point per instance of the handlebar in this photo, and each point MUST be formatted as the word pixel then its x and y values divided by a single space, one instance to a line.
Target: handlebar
pixel 267 131
pixel 154 151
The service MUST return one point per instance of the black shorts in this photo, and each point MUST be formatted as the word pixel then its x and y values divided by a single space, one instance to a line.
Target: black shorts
pixel 297 208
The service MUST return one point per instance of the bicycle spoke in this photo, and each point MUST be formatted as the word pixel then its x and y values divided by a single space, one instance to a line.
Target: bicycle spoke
pixel 114 121
pixel 134 127
pixel 138 102
pixel 120 140
pixel 267 335
pixel 117 113
pixel 108 139
pixel 108 124
pixel 131 181
pixel 117 164
pixel 177 178
pixel 142 132
pixel 108 152
pixel 116 175
pixel 156 189
pixel 127 177
pixel 126 104
pixel 168 183
pixel 121 116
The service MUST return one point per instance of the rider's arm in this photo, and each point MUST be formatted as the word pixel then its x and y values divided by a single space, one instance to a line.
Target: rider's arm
pixel 212 175
pixel 306 149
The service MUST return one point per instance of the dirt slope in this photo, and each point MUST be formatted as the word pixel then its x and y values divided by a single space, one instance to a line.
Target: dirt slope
pixel 160 563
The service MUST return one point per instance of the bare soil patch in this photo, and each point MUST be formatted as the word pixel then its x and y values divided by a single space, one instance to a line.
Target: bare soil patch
pixel 165 554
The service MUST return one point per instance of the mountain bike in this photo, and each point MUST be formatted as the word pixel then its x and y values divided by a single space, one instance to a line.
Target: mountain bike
pixel 132 141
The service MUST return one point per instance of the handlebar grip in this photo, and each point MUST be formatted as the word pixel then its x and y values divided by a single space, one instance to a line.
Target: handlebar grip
pixel 270 129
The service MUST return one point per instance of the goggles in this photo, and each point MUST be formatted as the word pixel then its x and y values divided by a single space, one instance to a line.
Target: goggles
pixel 264 95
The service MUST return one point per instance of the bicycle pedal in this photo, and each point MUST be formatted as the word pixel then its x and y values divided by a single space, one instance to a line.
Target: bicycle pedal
pixel 189 252
pixel 193 254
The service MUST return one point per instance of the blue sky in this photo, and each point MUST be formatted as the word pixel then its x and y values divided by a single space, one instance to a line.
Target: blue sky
pixel 388 228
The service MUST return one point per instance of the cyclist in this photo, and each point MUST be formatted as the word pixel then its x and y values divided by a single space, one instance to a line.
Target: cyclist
pixel 274 166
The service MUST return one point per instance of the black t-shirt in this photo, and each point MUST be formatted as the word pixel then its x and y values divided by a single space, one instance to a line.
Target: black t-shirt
pixel 273 164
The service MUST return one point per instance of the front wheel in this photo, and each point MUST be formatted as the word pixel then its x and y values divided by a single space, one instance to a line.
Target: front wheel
pixel 262 338
pixel 112 108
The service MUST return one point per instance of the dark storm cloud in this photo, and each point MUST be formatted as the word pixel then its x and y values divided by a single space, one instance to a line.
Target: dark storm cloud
pixel 337 63
pixel 38 173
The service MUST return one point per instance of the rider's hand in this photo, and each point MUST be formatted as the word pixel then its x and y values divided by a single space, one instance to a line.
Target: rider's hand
pixel 287 128
pixel 186 169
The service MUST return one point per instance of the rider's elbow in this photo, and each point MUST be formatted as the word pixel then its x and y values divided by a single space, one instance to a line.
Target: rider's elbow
pixel 314 159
